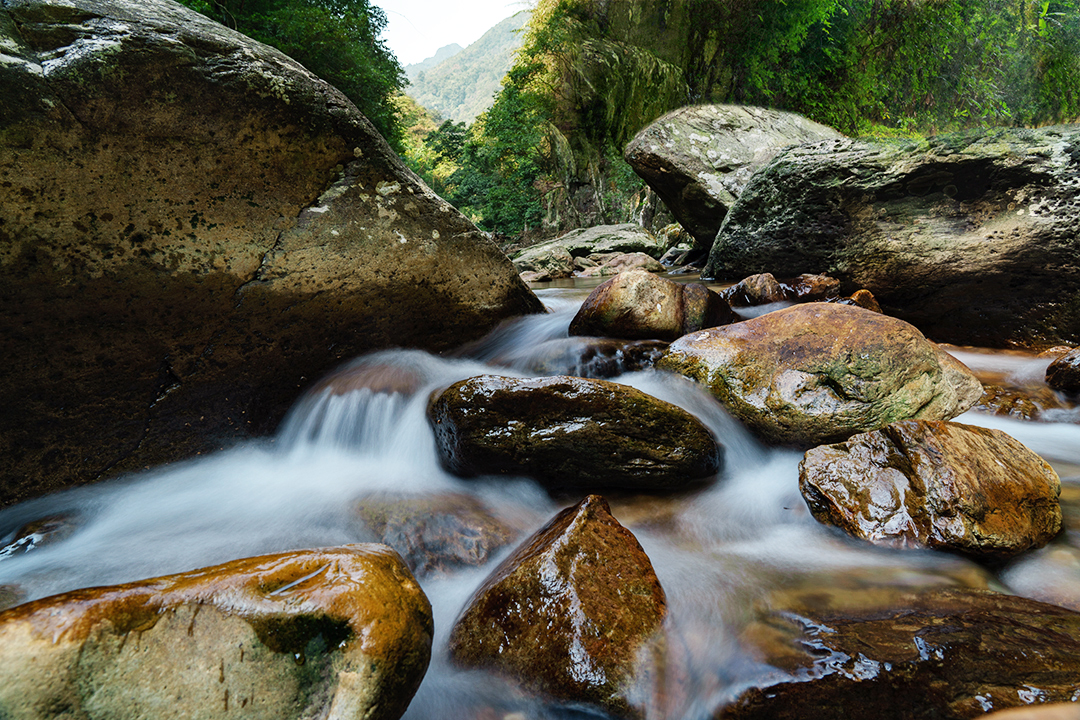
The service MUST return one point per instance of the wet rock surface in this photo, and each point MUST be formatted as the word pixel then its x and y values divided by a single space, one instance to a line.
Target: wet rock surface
pixel 934 228
pixel 435 534
pixel 1064 373
pixel 183 253
pixel 638 305
pixel 821 372
pixel 932 654
pixel 570 614
pixel 572 433
pixel 698 159
pixel 340 632
pixel 946 486
pixel 588 357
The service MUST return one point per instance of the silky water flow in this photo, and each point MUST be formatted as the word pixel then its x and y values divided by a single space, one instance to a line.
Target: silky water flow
pixel 721 551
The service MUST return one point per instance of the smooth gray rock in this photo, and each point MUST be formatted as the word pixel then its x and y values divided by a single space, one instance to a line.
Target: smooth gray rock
pixel 559 253
pixel 698 159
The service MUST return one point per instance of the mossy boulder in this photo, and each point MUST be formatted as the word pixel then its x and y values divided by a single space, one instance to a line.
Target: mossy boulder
pixel 972 237
pixel 195 227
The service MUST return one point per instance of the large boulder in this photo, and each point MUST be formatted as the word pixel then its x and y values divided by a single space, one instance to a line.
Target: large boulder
pixel 951 654
pixel 821 372
pixel 972 237
pixel 194 226
pixel 341 632
pixel 569 432
pixel 698 159
pixel 939 485
pixel 571 614
pixel 556 257
pixel 637 305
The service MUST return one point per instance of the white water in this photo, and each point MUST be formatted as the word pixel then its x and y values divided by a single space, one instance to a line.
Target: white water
pixel 725 548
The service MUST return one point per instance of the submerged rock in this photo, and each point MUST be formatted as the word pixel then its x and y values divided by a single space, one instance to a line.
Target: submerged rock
pixel 972 237
pixel 195 227
pixel 638 305
pixel 1064 373
pixel 435 533
pixel 698 159
pixel 939 485
pixel 568 432
pixel 340 632
pixel 928 654
pixel 821 372
pixel 588 357
pixel 571 614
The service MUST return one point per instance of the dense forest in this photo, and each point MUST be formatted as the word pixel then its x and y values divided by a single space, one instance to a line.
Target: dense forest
pixel 547 156
pixel 592 73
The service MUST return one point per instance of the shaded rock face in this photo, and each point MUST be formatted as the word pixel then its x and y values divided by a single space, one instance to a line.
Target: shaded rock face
pixel 933 654
pixel 821 372
pixel 698 159
pixel 937 485
pixel 194 227
pixel 971 237
pixel 570 614
pixel 1064 373
pixel 556 257
pixel 435 533
pixel 341 632
pixel 638 305
pixel 570 432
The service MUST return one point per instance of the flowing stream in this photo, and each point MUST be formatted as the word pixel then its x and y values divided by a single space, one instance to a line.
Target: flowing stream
pixel 719 551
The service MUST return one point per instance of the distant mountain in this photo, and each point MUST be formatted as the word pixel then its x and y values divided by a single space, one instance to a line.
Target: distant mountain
pixel 461 87
pixel 444 53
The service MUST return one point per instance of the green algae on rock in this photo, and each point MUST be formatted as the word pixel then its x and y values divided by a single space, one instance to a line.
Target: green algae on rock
pixel 338 632
pixel 821 372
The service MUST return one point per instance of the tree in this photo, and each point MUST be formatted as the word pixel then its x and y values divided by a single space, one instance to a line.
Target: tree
pixel 338 40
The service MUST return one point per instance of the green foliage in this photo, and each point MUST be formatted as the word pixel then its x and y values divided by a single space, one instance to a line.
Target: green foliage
pixel 338 40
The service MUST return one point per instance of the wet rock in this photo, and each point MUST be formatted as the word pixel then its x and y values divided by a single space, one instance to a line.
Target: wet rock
pixel 195 226
pixel 935 228
pixel 40 533
pixel 588 357
pixel 698 159
pixel 757 290
pixel 570 614
pixel 435 533
pixel 860 298
pixel 622 263
pixel 930 654
pixel 814 288
pixel 626 238
pixel 1064 373
pixel 568 432
pixel 946 486
pixel 821 372
pixel 339 632
pixel 1047 711
pixel 1028 403
pixel 638 305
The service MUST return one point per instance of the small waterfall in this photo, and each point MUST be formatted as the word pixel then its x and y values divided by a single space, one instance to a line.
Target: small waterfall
pixel 718 551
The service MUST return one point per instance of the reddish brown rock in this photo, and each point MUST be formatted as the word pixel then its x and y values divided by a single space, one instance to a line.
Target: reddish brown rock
pixel 860 298
pixel 435 533
pixel 1064 373
pixel 570 614
pixel 813 288
pixel 638 305
pixel 759 289
pixel 568 432
pixel 951 654
pixel 821 372
pixel 1027 403
pixel 936 485
pixel 340 632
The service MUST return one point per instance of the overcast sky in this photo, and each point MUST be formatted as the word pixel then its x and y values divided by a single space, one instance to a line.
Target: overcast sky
pixel 417 28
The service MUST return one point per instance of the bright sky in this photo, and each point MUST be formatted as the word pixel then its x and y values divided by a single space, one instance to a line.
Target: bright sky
pixel 417 28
